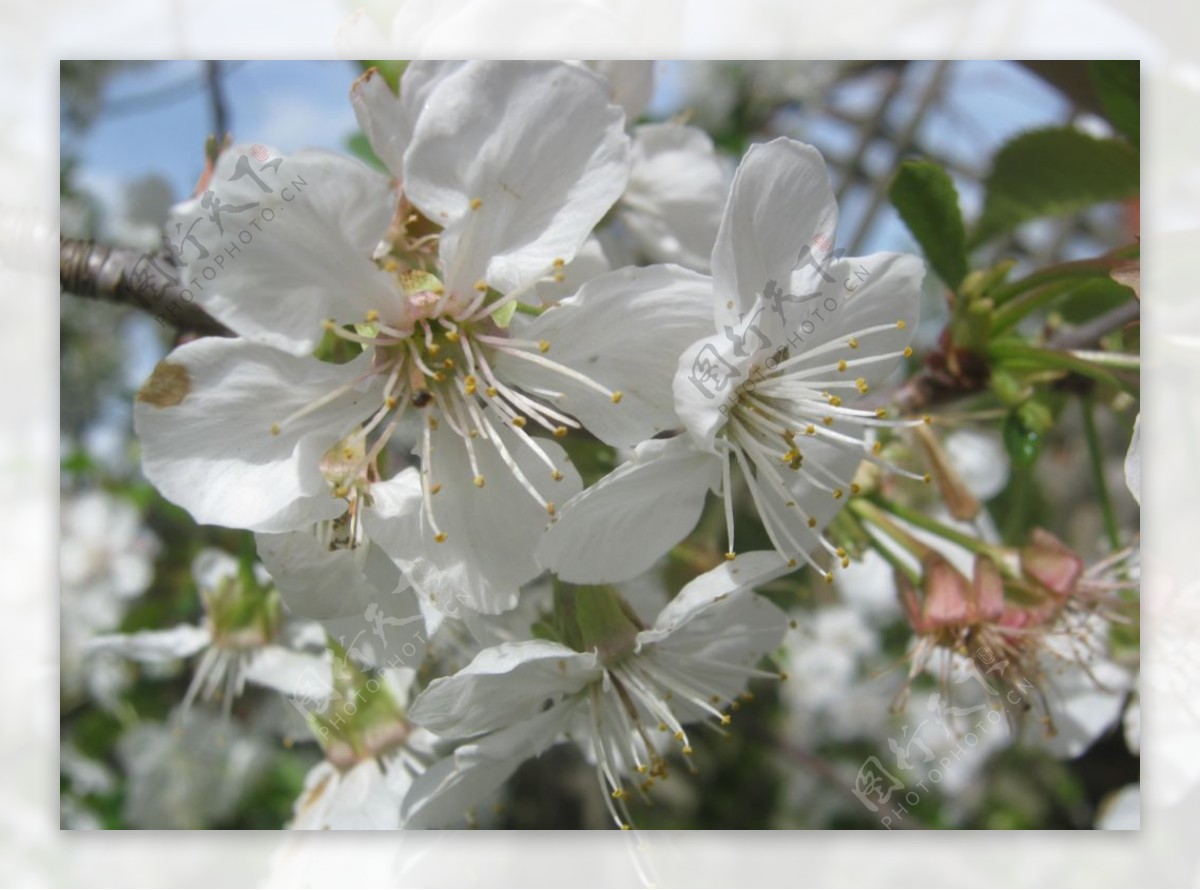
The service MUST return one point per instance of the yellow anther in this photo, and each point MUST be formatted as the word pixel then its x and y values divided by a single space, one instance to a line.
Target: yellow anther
pixel 908 352
pixel 448 364
pixel 731 556
pixel 901 324
pixel 789 503
pixel 679 736
pixel 452 336
pixel 556 475
pixel 792 624
pixel 440 537
pixel 543 345
pixel 275 429
pixel 810 430
pixel 642 768
pixel 861 385
pixel 662 727
pixel 687 750
pixel 927 418
pixel 341 491
pixel 855 488
pixel 551 508
pixel 837 494
pixel 845 563
pixel 435 488
pixel 927 478
pixel 812 522
pixel 726 719
pixel 372 315
pixel 625 826
pixel 329 324
pixel 559 432
pixel 391 402
pixel 519 422
pixel 439 376
pixel 476 203
pixel 469 384
pixel 618 793
pixel 853 343
pixel 835 401
pixel 876 447
pixel 348 453
pixel 559 262
pixel 792 563
pixel 783 675
pixel 842 365
pixel 617 396
pixel 480 482
pixel 492 392
pixel 829 577
pixel 481 286
pixel 435 348
pixel 828 421
pixel 881 412
pixel 841 551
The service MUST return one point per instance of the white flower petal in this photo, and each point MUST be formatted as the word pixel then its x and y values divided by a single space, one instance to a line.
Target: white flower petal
pixel 302 674
pixel 205 423
pixel 448 789
pixel 389 630
pixel 316 582
pixel 518 161
pixel 715 585
pixel 631 84
pixel 624 330
pixel 296 255
pixel 491 531
pixel 781 200
pixel 1121 810
pixel 155 646
pixel 388 120
pixel 708 376
pixel 1133 462
pixel 879 289
pixel 676 194
pixel 621 525
pixel 212 567
pixel 503 685
pixel 590 262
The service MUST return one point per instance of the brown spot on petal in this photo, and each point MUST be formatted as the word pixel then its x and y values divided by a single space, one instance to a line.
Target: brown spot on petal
pixel 168 385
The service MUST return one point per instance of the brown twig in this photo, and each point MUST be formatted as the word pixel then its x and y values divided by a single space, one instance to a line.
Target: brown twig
pixel 101 272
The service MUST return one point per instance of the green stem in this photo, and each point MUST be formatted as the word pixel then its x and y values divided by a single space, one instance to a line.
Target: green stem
pixel 1096 455
pixel 1038 357
pixel 873 515
pixel 1016 309
pixel 1100 267
pixel 967 542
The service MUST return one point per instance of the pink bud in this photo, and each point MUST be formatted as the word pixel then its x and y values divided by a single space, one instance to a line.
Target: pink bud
pixel 1051 563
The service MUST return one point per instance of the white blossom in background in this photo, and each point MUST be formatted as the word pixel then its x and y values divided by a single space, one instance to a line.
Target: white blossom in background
pixel 189 773
pixel 625 701
pixel 243 638
pixel 372 754
pixel 106 561
pixel 802 336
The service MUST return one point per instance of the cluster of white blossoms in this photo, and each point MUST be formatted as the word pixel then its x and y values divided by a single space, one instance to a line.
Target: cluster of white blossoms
pixel 411 354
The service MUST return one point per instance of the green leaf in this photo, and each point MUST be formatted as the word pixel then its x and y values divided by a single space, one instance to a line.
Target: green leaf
pixel 1118 84
pixel 927 201
pixel 1054 172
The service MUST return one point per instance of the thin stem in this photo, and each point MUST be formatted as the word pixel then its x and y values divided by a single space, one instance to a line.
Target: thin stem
pixel 1049 358
pixel 1100 267
pixel 871 512
pixel 1096 456
pixel 929 524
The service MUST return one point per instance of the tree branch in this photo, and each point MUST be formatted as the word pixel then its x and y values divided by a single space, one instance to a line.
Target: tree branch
pixel 125 275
